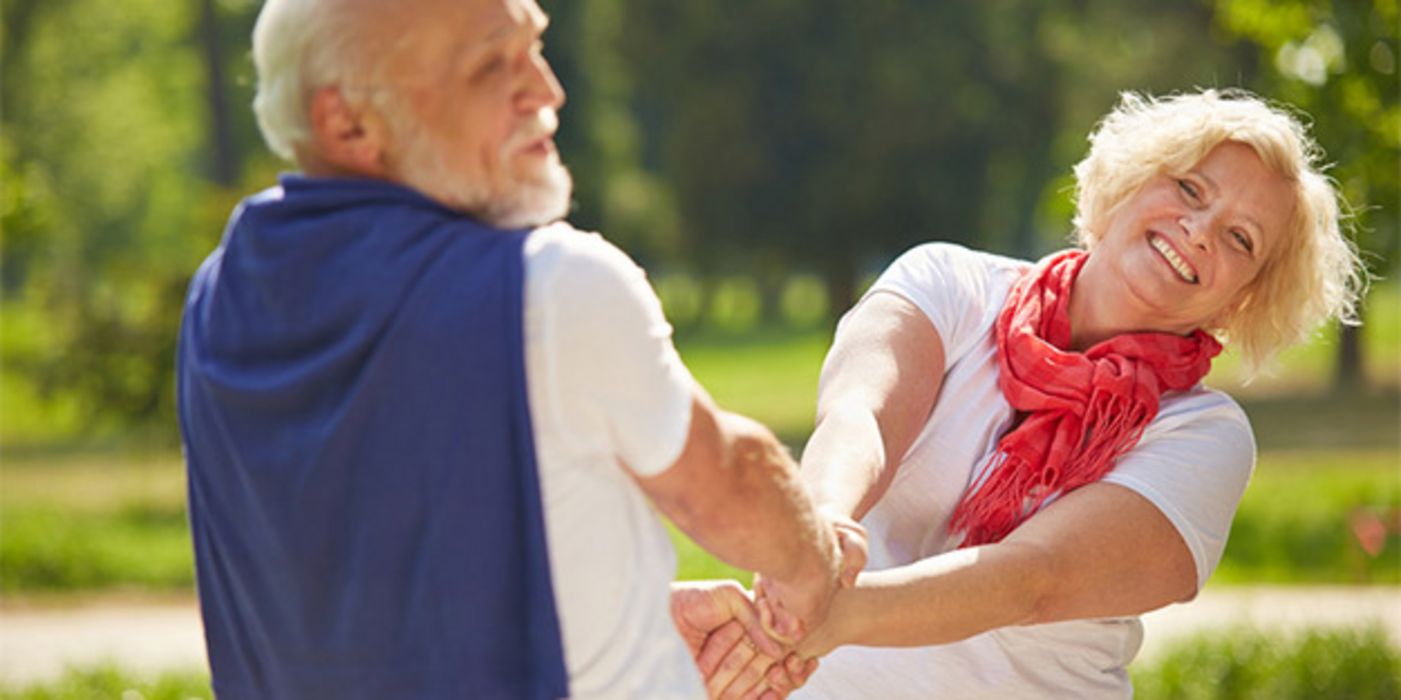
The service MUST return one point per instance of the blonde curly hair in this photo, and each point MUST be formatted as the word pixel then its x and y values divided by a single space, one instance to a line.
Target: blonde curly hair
pixel 1316 275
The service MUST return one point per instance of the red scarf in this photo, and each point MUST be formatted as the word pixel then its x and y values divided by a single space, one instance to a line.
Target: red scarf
pixel 1083 410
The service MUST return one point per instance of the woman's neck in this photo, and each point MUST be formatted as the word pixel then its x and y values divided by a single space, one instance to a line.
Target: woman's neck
pixel 1101 307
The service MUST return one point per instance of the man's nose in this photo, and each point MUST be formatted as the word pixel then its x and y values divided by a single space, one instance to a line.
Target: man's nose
pixel 542 88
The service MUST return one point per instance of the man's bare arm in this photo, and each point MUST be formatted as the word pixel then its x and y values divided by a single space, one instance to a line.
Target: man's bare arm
pixel 735 491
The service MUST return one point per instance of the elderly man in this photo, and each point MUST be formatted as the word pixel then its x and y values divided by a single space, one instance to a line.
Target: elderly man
pixel 425 430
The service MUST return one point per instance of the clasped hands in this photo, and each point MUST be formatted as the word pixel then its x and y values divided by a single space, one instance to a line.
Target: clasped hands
pixel 764 645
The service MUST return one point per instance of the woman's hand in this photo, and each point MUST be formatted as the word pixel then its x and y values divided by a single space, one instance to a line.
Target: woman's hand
pixel 783 624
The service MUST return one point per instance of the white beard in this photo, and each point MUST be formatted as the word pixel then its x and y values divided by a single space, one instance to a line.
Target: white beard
pixel 540 197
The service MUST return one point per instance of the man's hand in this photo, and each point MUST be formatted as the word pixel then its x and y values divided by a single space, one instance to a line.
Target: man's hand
pixel 740 671
pixel 702 608
pixel 787 610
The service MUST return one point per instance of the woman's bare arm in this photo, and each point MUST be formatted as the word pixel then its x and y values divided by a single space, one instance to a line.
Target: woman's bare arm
pixel 878 386
pixel 1100 551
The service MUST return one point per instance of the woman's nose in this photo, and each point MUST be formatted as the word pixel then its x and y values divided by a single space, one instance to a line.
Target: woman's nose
pixel 1196 231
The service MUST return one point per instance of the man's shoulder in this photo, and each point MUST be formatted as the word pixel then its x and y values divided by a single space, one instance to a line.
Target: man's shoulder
pixel 560 255
pixel 561 241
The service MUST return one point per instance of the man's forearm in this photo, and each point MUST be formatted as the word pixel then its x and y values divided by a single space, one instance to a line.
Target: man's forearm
pixel 759 516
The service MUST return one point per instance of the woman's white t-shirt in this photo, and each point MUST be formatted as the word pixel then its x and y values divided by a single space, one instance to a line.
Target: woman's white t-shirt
pixel 1192 462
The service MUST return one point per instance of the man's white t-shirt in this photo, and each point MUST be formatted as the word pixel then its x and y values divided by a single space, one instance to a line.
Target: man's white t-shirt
pixel 1192 462
pixel 607 389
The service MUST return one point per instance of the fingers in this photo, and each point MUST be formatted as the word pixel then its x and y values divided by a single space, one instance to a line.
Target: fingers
pixel 778 691
pixel 775 621
pixel 852 543
pixel 790 675
pixel 731 665
pixel 751 681
pixel 718 646
pixel 749 614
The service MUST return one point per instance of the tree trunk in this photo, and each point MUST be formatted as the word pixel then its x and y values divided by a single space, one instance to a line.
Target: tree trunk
pixel 1348 374
pixel 839 273
pixel 224 169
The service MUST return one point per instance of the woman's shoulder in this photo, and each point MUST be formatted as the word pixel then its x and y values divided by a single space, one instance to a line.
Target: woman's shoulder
pixel 1200 408
pixel 953 271
pixel 960 257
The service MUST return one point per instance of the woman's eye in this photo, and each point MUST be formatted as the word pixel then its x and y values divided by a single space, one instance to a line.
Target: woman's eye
pixel 1243 241
pixel 1188 189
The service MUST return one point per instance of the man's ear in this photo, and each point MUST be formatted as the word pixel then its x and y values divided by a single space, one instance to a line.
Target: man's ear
pixel 349 139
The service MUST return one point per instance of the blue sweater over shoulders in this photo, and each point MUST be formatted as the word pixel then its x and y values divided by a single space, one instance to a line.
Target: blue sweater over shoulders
pixel 364 498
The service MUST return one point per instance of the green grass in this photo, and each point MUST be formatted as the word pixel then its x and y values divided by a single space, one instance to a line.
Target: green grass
pixel 82 522
pixel 112 683
pixel 94 523
pixel 771 376
pixel 1308 368
pixel 1294 522
pixel 89 523
pixel 1356 664
pixel 1247 665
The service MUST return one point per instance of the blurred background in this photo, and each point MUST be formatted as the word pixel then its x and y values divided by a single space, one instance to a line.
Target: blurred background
pixel 763 160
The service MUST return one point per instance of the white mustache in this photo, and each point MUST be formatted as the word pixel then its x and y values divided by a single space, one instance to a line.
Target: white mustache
pixel 542 125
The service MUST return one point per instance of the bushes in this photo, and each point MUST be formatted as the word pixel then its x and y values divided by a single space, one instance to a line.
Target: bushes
pixel 1250 665
pixel 1242 665
pixel 140 546
pixel 111 683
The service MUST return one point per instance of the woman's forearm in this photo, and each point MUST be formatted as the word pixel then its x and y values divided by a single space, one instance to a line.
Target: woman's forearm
pixel 843 464
pixel 938 600
pixel 1100 551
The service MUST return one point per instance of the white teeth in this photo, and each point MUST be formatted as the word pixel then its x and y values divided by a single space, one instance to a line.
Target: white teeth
pixel 1178 264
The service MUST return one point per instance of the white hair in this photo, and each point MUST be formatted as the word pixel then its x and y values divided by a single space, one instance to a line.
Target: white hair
pixel 1316 274
pixel 300 46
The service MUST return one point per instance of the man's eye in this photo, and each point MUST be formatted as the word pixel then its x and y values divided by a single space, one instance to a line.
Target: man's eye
pixel 494 65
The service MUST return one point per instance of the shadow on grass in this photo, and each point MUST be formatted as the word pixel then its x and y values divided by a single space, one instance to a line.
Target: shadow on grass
pixel 1332 421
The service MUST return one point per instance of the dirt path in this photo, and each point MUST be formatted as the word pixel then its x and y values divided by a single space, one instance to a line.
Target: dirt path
pixel 37 642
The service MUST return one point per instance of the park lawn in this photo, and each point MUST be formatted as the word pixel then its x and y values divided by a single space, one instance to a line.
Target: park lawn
pixel 770 376
pixel 74 521
pixel 1295 522
pixel 1239 665
pixel 85 523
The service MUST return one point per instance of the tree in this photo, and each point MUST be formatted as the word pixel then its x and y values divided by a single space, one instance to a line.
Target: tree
pixel 831 135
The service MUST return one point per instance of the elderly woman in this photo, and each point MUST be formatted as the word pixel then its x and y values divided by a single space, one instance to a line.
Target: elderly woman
pixel 1030 446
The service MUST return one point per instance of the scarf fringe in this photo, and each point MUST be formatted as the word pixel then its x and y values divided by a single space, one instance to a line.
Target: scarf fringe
pixel 1057 450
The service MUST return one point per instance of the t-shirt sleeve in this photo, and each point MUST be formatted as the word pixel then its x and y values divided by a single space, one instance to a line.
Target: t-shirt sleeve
pixel 614 372
pixel 1194 468
pixel 949 283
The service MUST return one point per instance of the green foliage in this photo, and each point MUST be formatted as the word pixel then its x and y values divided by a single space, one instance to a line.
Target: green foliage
pixel 1337 61
pixel 135 546
pixel 112 683
pixel 1249 665
pixel 1238 665
pixel 725 139
pixel 1295 521
pixel 696 564
pixel 69 523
